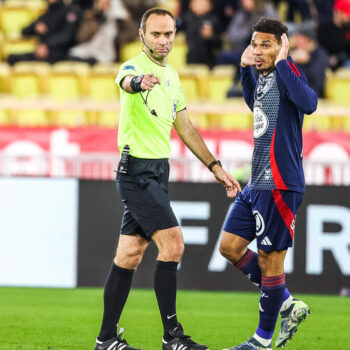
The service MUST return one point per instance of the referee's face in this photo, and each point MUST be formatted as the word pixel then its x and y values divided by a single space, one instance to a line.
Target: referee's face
pixel 265 50
pixel 159 35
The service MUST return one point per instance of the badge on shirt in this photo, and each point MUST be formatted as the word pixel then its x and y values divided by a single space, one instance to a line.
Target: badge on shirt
pixel 261 122
pixel 129 67
pixel 265 84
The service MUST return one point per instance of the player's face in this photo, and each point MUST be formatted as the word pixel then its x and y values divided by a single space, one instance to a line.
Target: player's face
pixel 160 35
pixel 265 50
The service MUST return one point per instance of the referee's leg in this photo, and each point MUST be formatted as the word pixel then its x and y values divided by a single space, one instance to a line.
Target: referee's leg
pixel 171 247
pixel 129 254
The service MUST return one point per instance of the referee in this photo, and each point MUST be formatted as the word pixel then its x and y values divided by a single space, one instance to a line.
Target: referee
pixel 151 104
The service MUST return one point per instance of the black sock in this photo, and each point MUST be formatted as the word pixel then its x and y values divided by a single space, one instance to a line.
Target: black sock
pixel 165 288
pixel 117 288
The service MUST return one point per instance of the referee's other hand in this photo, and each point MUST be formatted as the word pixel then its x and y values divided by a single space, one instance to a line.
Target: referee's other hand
pixel 149 81
pixel 228 181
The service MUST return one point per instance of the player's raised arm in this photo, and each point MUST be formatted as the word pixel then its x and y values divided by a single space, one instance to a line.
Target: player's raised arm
pixel 192 139
pixel 134 84
pixel 298 90
pixel 247 76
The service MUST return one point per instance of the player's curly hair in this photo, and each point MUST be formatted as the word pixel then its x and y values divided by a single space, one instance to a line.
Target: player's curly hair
pixel 271 26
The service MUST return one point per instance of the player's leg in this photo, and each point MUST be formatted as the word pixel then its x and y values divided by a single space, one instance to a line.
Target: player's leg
pixel 234 248
pixel 293 311
pixel 272 293
pixel 129 254
pixel 274 221
pixel 271 299
pixel 171 247
pixel 238 231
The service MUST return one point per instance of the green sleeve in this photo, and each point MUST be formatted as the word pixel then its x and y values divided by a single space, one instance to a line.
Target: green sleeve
pixel 127 68
pixel 181 104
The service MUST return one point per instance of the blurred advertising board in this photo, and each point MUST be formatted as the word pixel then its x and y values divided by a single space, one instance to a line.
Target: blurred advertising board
pixel 63 233
pixel 91 153
pixel 318 263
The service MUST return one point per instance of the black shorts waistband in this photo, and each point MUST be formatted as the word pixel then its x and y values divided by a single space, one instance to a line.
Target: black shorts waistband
pixel 148 160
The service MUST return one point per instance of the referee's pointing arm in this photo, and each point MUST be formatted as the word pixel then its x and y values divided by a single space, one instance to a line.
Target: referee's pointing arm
pixel 133 84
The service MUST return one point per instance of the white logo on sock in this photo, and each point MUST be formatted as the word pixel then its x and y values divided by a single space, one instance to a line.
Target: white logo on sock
pixel 169 317
pixel 260 308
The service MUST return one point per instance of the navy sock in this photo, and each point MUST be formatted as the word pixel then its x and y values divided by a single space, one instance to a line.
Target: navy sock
pixel 117 288
pixel 165 289
pixel 271 299
pixel 248 264
pixel 286 294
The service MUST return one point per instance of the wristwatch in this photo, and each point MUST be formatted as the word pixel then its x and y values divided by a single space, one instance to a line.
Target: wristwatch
pixel 214 162
pixel 135 83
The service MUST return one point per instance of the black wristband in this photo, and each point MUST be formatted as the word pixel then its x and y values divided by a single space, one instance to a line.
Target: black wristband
pixel 135 83
pixel 214 162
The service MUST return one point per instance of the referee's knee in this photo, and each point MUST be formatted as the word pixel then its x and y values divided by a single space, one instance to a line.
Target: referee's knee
pixel 172 252
pixel 129 259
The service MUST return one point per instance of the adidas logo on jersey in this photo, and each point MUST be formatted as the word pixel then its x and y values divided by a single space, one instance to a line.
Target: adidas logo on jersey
pixel 266 241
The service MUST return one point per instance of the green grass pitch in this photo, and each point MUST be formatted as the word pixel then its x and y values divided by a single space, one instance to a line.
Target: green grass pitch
pixel 57 319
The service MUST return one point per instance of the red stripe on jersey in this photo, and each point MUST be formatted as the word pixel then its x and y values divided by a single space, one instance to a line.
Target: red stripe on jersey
pixel 297 70
pixel 277 178
pixel 286 214
pixel 294 69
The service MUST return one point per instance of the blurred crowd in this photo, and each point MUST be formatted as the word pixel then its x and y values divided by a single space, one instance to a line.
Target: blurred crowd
pixel 216 32
pixel 84 30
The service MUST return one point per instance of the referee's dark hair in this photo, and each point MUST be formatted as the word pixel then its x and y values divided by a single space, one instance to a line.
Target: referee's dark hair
pixel 156 11
pixel 270 26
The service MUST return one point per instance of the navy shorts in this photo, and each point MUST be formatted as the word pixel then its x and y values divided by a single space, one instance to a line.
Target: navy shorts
pixel 267 215
pixel 144 191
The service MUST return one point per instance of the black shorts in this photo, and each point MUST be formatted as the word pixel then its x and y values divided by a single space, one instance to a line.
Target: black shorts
pixel 144 191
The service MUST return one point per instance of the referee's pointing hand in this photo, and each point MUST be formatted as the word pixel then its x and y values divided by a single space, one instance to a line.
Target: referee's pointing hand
pixel 149 81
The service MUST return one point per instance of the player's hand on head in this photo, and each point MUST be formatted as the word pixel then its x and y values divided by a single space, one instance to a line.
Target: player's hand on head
pixel 149 81
pixel 247 58
pixel 283 53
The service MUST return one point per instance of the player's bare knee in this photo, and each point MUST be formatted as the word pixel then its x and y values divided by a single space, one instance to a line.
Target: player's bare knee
pixel 230 252
pixel 225 250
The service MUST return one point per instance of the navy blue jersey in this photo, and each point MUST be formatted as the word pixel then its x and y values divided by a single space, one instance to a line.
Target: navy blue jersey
pixel 278 101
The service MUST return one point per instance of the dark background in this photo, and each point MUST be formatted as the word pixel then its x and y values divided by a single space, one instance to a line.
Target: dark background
pixel 100 213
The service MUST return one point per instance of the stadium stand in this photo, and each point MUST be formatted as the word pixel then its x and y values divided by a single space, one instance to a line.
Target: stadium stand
pixel 102 88
pixel 84 95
